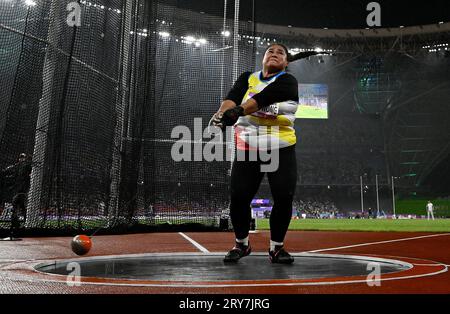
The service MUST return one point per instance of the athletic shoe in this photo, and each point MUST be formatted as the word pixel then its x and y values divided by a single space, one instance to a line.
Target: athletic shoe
pixel 237 253
pixel 280 256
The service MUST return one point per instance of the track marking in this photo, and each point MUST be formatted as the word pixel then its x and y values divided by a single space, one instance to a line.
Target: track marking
pixel 379 242
pixel 429 265
pixel 194 243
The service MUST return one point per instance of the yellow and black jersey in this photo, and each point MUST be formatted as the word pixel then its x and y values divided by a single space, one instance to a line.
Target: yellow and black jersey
pixel 273 125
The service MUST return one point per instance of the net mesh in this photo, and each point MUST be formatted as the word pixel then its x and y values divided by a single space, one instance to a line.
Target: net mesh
pixel 92 91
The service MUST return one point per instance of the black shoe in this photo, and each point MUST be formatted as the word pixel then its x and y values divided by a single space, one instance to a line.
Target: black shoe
pixel 280 256
pixel 237 253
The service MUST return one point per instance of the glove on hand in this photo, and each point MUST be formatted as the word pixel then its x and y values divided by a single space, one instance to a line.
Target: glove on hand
pixel 231 116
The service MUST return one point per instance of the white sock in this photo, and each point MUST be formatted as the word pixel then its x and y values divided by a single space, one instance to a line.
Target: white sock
pixel 243 241
pixel 273 243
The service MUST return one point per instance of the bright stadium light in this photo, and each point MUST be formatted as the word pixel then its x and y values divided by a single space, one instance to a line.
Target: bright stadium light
pixel 294 51
pixel 226 33
pixel 189 39
pixel 30 3
pixel 164 34
pixel 202 41
pixel 318 49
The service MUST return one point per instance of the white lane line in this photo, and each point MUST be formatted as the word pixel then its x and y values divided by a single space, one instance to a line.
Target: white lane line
pixel 431 265
pixel 379 242
pixel 194 243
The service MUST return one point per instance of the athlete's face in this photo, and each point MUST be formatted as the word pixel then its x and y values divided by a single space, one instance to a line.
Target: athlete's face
pixel 275 59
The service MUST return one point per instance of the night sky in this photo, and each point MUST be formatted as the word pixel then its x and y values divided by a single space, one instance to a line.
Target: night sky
pixel 331 14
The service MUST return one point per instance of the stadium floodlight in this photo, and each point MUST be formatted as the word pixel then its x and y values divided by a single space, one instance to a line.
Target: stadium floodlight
pixel 189 39
pixel 164 34
pixel 318 49
pixel 202 41
pixel 226 33
pixel 30 3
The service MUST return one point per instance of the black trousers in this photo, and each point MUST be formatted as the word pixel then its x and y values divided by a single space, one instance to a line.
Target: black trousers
pixel 246 177
pixel 18 203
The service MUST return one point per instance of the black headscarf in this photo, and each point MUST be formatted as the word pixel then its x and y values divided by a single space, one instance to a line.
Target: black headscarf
pixel 298 56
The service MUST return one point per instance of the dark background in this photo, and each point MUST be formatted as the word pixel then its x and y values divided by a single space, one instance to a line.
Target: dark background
pixel 331 14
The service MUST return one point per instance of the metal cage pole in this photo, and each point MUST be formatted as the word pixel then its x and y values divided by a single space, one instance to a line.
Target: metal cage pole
pixel 378 198
pixel 362 194
pixel 43 119
pixel 234 73
pixel 121 102
pixel 236 41
pixel 224 27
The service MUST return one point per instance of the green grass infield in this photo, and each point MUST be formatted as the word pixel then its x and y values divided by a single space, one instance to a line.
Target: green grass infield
pixel 377 225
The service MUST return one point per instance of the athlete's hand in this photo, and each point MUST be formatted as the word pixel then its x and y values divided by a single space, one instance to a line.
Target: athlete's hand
pixel 216 120
pixel 231 116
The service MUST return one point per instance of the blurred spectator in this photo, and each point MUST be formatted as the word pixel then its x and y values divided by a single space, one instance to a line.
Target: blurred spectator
pixel 16 183
pixel 315 207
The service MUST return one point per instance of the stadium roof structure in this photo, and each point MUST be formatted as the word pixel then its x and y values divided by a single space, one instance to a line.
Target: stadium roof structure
pixel 378 39
pixel 355 33
pixel 410 39
pixel 349 14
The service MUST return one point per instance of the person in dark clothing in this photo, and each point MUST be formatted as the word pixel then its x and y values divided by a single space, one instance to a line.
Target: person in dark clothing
pixel 16 183
pixel 261 106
